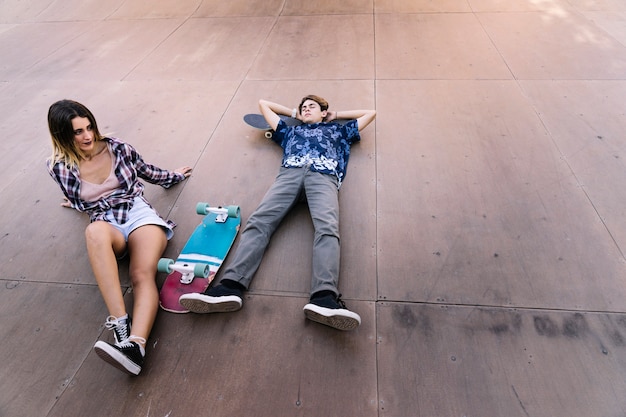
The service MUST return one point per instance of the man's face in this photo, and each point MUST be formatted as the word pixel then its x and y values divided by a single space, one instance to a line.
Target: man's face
pixel 311 112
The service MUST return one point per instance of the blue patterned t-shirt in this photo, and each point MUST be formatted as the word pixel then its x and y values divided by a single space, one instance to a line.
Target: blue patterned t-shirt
pixel 325 147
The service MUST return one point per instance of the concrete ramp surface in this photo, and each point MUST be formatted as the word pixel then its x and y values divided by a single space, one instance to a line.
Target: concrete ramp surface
pixel 483 220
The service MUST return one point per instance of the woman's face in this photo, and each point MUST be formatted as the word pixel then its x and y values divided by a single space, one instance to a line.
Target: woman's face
pixel 83 134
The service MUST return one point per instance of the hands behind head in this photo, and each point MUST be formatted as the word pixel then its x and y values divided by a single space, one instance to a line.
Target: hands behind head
pixel 330 116
pixel 186 171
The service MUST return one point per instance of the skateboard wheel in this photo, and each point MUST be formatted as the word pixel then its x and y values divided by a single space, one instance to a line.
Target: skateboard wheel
pixel 233 211
pixel 268 135
pixel 164 265
pixel 201 208
pixel 201 270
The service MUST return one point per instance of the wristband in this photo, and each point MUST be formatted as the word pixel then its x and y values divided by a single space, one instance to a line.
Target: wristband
pixel 294 112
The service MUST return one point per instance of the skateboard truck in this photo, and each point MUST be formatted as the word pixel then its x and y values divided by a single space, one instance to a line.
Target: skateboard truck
pixel 188 271
pixel 223 213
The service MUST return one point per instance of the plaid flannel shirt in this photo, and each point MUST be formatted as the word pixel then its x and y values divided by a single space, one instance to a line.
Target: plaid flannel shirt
pixel 129 167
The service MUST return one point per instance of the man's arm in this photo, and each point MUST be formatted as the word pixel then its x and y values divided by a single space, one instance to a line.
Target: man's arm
pixel 363 117
pixel 271 111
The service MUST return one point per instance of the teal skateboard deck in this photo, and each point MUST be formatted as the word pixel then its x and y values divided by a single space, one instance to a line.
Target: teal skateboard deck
pixel 201 257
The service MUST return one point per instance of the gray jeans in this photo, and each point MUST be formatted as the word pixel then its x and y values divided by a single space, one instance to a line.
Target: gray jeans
pixel 322 196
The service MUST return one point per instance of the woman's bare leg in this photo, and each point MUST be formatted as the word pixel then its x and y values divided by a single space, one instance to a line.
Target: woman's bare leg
pixel 145 245
pixel 104 244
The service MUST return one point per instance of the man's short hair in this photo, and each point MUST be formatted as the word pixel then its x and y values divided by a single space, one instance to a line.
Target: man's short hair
pixel 323 103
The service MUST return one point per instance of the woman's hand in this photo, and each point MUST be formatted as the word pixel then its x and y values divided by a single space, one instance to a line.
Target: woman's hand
pixel 186 171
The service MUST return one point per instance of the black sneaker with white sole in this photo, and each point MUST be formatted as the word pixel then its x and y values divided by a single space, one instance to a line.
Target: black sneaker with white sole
pixel 127 356
pixel 120 327
pixel 329 309
pixel 219 299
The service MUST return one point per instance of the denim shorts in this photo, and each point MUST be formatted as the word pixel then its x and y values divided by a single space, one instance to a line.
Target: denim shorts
pixel 140 215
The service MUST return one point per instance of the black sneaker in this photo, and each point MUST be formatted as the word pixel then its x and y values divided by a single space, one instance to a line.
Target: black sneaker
pixel 120 327
pixel 127 356
pixel 330 310
pixel 218 299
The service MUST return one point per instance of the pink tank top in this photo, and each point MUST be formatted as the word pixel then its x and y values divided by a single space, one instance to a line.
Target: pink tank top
pixel 94 192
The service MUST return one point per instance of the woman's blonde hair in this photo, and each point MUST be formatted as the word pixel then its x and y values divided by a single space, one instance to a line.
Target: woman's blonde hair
pixel 60 117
